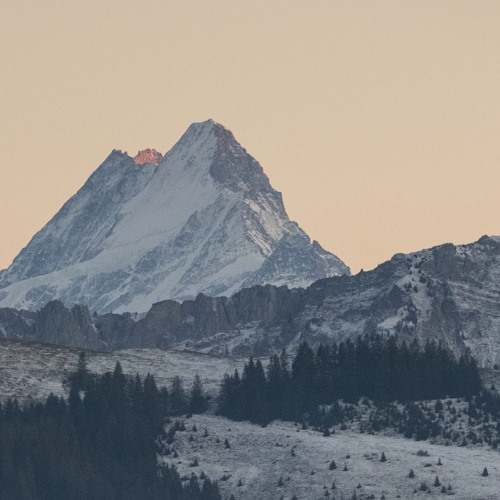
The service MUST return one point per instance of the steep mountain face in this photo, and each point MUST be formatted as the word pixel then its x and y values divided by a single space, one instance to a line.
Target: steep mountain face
pixel 448 293
pixel 203 218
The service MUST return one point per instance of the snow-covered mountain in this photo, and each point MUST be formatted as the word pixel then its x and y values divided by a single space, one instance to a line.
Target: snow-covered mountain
pixel 202 218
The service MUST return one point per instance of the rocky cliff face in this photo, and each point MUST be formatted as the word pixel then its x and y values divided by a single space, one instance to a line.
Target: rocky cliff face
pixel 204 218
pixel 447 293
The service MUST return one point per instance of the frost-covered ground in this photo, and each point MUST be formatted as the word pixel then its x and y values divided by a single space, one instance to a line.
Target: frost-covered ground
pixel 490 377
pixel 30 371
pixel 260 456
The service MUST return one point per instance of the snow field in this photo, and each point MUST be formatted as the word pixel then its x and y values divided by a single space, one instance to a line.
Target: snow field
pixel 260 456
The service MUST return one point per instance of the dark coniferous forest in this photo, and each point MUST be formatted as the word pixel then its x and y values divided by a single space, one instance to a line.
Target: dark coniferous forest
pixel 100 446
pixel 379 369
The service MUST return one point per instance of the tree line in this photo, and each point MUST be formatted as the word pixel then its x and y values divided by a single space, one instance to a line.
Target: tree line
pixel 381 369
pixel 101 443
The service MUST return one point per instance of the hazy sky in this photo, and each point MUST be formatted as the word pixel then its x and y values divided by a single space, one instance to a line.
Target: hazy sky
pixel 379 121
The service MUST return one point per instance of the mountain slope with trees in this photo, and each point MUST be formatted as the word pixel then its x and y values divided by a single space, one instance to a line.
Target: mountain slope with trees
pixel 374 368
pixel 101 446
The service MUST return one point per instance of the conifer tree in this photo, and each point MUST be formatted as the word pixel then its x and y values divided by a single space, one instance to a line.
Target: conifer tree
pixel 152 403
pixel 177 397
pixel 304 380
pixel 79 379
pixel 210 491
pixel 275 390
pixel 197 400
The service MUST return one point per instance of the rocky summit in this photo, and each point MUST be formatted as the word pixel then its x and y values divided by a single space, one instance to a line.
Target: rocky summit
pixel 148 156
pixel 201 219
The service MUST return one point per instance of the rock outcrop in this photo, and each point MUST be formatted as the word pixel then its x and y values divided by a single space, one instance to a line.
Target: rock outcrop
pixel 150 156
pixel 450 294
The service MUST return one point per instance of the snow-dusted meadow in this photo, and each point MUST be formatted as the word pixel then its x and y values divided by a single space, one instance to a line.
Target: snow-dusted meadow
pixel 31 371
pixel 260 456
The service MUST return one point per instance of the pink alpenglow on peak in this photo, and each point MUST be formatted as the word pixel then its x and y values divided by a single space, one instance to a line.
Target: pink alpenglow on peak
pixel 148 156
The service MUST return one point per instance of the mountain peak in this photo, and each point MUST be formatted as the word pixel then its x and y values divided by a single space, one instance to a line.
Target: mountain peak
pixel 201 132
pixel 205 220
pixel 148 156
pixel 206 125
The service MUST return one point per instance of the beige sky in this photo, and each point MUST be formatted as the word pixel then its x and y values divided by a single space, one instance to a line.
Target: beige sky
pixel 379 121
